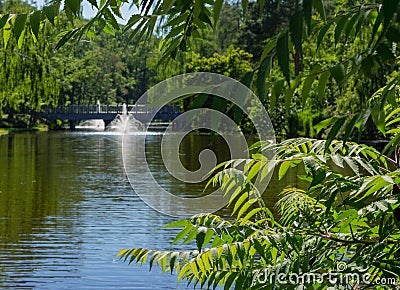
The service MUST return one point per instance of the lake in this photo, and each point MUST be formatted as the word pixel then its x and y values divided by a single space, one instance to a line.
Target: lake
pixel 67 208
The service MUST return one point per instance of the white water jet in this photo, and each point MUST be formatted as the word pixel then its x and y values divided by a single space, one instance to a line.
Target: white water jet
pixel 125 123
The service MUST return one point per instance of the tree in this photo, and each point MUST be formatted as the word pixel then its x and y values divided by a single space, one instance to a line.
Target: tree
pixel 334 225
pixel 26 80
pixel 262 23
pixel 235 63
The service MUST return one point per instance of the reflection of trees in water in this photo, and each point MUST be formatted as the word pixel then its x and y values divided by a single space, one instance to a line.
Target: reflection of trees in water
pixel 35 190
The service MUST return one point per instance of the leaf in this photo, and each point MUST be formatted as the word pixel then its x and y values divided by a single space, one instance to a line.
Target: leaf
pixel 182 234
pixel 364 116
pixel 93 3
pixel 34 21
pixel 177 224
pixel 351 164
pixel 19 25
pixel 307 86
pixel 339 27
pixel 307 11
pixel 217 11
pixel 132 21
pixel 352 23
pixel 378 116
pixel 345 214
pixel 7 33
pixel 253 171
pixel 324 124
pixel 296 30
pixel 282 51
pixel 338 73
pixel 66 37
pixel 167 5
pixel 318 178
pixel 260 249
pixel 334 131
pixel 289 93
pixel 230 276
pixel 310 164
pixel 389 9
pixel 322 33
pixel 115 7
pixel 3 20
pixel 323 79
pixel 21 40
pixel 74 5
pixel 363 16
pixel 391 98
pixel 320 7
pixel 350 127
pixel 218 104
pixel 151 25
pixel 271 43
pixel 338 160
pixel 172 261
pixel 110 17
pixel 200 235
pixel 385 52
pixel 198 101
pixel 239 202
pixel 49 12
pixel 284 168
pixel 250 215
pixel 276 91
pixel 393 34
pixel 176 30
pixel 190 237
pixel 248 78
pixel 263 72
pixel 377 24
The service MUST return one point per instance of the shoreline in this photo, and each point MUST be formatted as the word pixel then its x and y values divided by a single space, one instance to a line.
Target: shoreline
pixel 4 131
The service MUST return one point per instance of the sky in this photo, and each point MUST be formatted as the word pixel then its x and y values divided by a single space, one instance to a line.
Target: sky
pixel 88 11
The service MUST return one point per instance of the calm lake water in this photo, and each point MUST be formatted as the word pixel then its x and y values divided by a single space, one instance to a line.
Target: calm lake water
pixel 67 208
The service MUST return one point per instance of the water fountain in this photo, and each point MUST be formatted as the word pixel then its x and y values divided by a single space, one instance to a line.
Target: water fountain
pixel 125 123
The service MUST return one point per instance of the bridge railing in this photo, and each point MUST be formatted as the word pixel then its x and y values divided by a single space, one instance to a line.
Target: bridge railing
pixel 82 109
pixel 142 109
pixel 107 109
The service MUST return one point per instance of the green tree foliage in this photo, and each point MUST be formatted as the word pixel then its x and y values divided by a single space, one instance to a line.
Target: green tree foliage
pixel 263 21
pixel 229 27
pixel 234 63
pixel 35 73
pixel 350 220
pixel 26 78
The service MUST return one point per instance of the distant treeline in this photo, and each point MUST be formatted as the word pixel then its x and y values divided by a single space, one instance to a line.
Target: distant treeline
pixel 114 69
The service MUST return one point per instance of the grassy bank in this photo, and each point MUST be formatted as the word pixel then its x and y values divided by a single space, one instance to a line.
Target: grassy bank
pixel 20 123
pixel 27 129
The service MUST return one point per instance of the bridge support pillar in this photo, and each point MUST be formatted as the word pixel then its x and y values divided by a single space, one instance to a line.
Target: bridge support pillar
pixel 71 125
pixel 106 123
